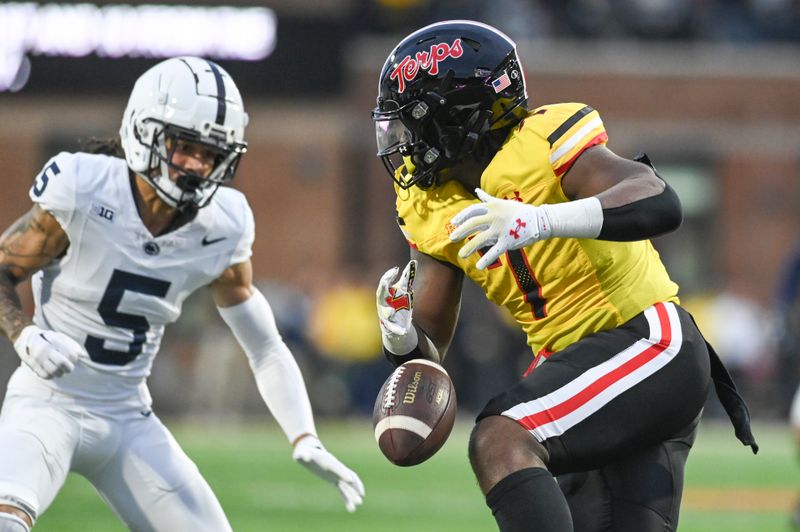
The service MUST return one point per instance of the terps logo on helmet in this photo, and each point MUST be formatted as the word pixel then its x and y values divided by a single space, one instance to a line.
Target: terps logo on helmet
pixel 409 67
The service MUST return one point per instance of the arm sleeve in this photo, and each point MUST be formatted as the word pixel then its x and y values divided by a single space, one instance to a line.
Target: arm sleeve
pixel 646 218
pixel 277 375
pixel 643 219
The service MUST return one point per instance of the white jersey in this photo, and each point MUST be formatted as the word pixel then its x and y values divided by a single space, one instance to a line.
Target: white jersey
pixel 118 286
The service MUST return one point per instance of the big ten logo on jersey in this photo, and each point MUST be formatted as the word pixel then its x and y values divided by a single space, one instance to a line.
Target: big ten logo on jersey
pixel 102 211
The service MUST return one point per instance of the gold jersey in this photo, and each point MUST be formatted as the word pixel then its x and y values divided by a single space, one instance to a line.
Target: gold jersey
pixel 560 289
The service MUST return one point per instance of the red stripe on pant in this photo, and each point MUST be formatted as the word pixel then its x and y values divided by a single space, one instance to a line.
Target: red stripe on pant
pixel 595 388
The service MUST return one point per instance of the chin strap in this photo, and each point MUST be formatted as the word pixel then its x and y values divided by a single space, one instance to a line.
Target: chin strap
pixel 405 171
pixel 408 164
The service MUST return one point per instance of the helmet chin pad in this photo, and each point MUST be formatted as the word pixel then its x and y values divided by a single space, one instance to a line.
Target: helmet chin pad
pixel 408 166
pixel 172 195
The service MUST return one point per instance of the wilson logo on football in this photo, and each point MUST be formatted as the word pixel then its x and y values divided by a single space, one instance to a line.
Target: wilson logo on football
pixel 409 67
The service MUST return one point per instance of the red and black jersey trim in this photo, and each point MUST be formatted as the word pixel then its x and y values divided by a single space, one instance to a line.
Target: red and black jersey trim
pixel 571 121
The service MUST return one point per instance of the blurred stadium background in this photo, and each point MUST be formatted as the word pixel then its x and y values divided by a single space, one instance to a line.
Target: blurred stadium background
pixel 710 89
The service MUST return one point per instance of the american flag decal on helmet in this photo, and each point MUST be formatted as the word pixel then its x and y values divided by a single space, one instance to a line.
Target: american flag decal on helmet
pixel 502 82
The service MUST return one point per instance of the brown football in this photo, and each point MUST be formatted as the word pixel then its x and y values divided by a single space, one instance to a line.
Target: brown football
pixel 414 412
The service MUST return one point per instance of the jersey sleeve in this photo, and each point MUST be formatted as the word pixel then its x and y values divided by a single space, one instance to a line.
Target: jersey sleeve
pixel 401 223
pixel 577 127
pixel 55 188
pixel 244 248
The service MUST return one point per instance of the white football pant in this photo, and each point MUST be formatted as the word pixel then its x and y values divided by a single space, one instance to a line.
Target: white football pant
pixel 123 449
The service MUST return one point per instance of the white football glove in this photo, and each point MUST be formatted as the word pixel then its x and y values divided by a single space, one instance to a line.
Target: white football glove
pixel 395 305
pixel 48 353
pixel 310 452
pixel 502 224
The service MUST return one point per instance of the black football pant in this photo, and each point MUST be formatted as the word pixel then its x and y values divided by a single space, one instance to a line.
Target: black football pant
pixel 617 412
pixel 641 493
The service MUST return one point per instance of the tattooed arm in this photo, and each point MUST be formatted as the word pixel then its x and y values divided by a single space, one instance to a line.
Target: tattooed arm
pixel 27 246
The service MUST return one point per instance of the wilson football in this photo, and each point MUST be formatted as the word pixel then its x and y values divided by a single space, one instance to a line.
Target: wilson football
pixel 414 412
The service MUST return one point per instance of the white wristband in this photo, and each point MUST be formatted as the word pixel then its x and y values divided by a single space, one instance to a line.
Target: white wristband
pixel 400 344
pixel 581 218
pixel 406 347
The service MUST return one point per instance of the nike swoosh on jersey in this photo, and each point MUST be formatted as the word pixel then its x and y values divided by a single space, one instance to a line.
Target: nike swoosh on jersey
pixel 207 242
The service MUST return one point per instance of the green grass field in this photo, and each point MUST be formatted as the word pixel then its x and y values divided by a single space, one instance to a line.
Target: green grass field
pixel 727 488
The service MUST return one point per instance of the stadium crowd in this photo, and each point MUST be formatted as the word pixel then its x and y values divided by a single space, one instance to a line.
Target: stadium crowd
pixel 693 20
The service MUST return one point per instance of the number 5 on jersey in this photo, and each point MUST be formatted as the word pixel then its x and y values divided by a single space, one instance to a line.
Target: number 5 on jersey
pixel 109 311
pixel 42 179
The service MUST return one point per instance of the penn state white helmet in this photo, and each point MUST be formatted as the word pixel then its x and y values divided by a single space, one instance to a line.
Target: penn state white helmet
pixel 184 98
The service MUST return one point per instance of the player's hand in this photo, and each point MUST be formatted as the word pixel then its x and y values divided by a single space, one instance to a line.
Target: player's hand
pixel 48 353
pixel 499 224
pixel 395 301
pixel 310 452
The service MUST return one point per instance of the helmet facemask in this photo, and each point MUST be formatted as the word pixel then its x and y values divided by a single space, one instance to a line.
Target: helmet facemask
pixel 404 153
pixel 435 132
pixel 187 188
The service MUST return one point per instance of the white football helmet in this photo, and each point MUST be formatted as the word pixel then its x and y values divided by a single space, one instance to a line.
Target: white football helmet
pixel 186 98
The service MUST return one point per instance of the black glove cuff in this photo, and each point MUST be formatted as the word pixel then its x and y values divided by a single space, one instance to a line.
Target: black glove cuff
pixel 397 360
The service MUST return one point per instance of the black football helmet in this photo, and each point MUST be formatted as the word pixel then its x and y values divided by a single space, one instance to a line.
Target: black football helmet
pixel 441 90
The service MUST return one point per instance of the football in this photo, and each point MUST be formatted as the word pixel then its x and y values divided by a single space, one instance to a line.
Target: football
pixel 414 412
